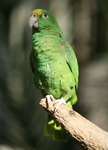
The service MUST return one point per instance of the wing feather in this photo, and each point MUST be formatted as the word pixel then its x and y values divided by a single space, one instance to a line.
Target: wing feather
pixel 71 61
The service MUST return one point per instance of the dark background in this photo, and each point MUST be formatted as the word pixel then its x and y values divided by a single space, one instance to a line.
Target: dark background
pixel 85 27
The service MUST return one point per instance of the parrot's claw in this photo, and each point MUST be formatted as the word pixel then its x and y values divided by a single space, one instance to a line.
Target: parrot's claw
pixel 58 102
pixel 48 99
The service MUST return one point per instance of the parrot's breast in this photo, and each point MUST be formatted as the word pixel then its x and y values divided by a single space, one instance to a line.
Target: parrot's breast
pixel 53 76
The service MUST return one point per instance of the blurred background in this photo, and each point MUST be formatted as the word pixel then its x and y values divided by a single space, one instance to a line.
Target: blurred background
pixel 85 27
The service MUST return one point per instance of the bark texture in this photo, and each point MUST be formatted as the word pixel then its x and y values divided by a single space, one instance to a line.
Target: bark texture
pixel 88 135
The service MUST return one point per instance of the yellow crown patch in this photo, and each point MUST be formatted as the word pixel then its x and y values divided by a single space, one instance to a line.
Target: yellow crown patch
pixel 38 12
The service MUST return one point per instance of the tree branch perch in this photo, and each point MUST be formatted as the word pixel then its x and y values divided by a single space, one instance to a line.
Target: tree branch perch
pixel 87 135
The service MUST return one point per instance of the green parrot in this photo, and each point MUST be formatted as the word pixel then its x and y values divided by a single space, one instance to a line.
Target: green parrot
pixel 54 66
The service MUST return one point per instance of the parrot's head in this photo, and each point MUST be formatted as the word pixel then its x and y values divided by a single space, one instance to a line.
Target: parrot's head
pixel 42 21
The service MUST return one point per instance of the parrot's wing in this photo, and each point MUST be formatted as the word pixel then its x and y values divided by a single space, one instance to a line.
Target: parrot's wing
pixel 71 61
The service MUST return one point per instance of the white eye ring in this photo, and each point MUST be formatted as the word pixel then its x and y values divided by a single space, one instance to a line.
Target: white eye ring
pixel 45 16
pixel 34 15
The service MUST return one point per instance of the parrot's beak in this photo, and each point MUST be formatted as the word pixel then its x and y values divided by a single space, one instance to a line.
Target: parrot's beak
pixel 33 21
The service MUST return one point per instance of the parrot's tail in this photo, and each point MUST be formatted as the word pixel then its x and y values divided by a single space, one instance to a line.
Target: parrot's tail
pixel 53 129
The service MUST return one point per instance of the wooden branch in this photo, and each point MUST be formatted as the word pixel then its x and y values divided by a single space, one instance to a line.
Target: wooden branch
pixel 87 135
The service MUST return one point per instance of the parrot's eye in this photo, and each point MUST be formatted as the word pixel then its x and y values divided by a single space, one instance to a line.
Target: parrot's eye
pixel 34 15
pixel 44 16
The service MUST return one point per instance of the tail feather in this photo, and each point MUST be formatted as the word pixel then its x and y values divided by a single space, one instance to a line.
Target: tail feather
pixel 53 129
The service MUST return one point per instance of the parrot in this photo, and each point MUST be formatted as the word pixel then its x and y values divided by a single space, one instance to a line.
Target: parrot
pixel 54 66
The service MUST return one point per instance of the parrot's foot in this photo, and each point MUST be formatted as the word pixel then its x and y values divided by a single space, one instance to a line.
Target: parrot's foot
pixel 58 102
pixel 48 98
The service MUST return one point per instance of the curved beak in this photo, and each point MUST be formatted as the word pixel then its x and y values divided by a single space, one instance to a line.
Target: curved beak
pixel 33 21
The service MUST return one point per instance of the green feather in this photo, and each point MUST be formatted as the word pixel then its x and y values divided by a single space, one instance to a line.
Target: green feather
pixel 55 68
